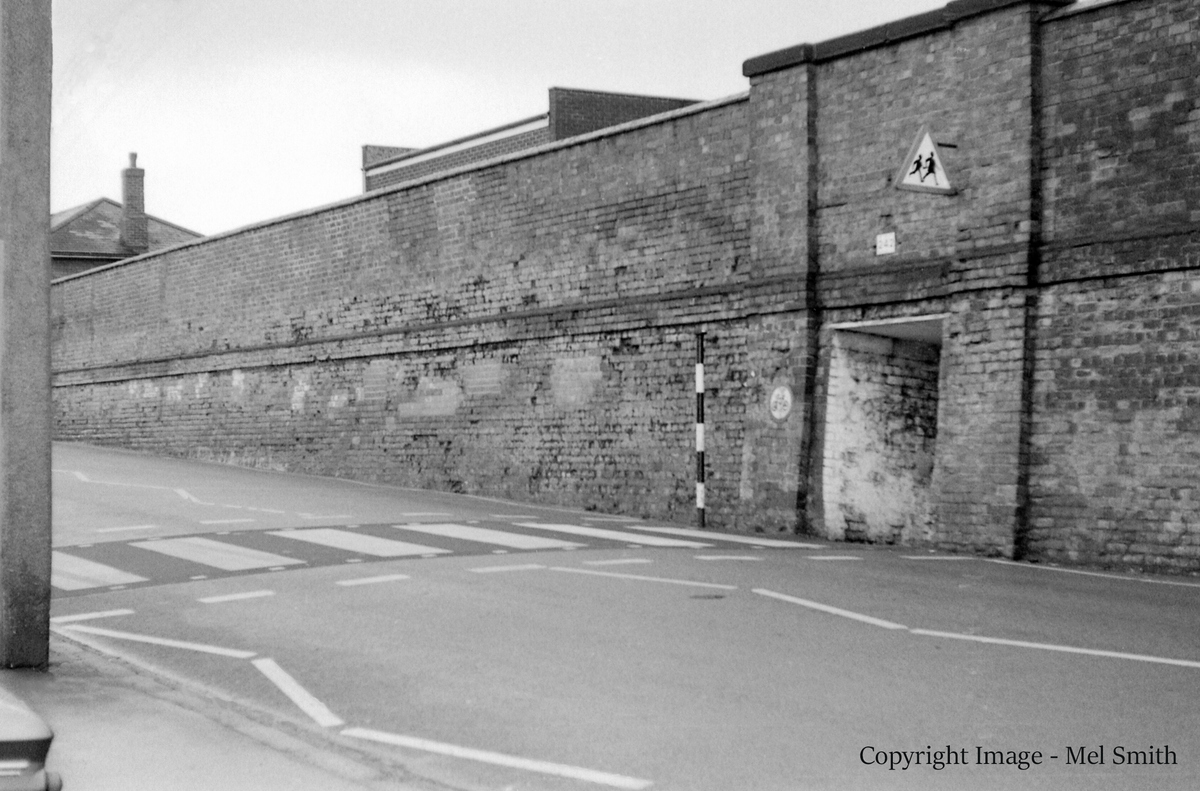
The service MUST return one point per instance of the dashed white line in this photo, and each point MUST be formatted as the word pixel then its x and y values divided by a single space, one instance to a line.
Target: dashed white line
pixel 812 605
pixel 89 616
pixel 833 557
pixel 373 580
pixel 617 562
pixel 500 759
pixel 298 694
pixel 727 557
pixel 163 641
pixel 1095 574
pixel 224 521
pixel 490 569
pixel 1053 647
pixel 642 578
pixel 235 597
pixel 121 529
pixel 937 557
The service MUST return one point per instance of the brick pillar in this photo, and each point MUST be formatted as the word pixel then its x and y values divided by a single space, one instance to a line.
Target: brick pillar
pixel 25 46
pixel 773 492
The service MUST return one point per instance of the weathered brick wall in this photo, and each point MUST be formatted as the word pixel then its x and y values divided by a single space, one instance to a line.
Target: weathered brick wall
pixel 528 329
pixel 1114 464
pixel 524 330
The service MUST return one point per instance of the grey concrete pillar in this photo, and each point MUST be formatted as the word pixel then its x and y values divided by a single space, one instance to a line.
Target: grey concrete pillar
pixel 25 46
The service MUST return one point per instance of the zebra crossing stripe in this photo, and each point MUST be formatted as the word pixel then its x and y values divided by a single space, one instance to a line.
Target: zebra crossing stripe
pixel 206 552
pixel 359 543
pixel 70 573
pixel 488 536
pixel 616 535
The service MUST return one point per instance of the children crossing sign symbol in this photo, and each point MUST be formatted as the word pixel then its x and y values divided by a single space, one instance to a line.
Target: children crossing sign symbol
pixel 922 170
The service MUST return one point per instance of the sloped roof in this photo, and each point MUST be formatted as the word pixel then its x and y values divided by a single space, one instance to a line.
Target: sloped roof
pixel 94 229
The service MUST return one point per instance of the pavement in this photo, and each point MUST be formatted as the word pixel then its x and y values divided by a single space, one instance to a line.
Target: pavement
pixel 115 722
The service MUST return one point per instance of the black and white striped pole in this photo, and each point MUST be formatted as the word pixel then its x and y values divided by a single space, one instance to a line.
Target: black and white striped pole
pixel 700 430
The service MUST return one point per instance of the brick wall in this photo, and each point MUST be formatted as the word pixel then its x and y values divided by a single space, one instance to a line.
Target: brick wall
pixel 1114 437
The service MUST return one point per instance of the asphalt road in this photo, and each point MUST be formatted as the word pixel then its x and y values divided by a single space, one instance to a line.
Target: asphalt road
pixel 559 650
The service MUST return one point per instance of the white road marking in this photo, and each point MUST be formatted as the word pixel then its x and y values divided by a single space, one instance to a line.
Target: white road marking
pixel 145 638
pixel 614 535
pixel 89 616
pixel 617 575
pixel 265 510
pixel 224 521
pixel 205 551
pixel 617 562
pixel 833 557
pixel 812 605
pixel 1064 648
pixel 514 516
pixel 489 569
pixel 235 597
pixel 190 497
pixel 373 580
pixel 424 513
pixel 937 557
pixel 121 529
pixel 324 516
pixel 500 759
pixel 1123 578
pixel 484 535
pixel 359 543
pixel 625 519
pixel 726 557
pixel 70 573
pixel 298 694
pixel 706 535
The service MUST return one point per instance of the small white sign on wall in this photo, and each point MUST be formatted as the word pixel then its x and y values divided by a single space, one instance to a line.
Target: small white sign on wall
pixel 885 243
pixel 781 402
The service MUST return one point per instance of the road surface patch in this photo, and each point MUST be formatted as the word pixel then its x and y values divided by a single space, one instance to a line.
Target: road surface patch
pixel 71 573
pixel 206 552
pixel 373 580
pixel 486 535
pixel 226 597
pixel 303 699
pixel 614 535
pixel 936 557
pixel 643 578
pixel 89 616
pixel 359 543
pixel 123 529
pixel 499 759
pixel 833 557
pixel 705 535
pixel 225 521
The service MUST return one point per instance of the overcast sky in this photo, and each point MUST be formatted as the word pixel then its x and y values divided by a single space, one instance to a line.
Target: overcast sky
pixel 243 110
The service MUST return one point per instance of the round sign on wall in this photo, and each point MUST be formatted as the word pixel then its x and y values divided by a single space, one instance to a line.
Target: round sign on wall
pixel 781 402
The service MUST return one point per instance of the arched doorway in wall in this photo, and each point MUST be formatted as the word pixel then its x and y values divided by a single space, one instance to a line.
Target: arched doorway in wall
pixel 881 427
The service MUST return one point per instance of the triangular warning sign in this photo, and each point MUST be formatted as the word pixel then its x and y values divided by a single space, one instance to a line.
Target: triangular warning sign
pixel 922 170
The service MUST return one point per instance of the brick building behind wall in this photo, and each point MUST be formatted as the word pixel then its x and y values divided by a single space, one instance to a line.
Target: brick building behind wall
pixel 999 359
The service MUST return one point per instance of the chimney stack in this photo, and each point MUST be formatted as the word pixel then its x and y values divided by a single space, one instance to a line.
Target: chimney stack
pixel 135 232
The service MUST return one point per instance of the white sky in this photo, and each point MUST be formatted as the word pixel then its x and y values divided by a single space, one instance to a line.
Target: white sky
pixel 243 110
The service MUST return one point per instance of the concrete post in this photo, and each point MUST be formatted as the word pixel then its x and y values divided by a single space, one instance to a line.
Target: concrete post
pixel 25 47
